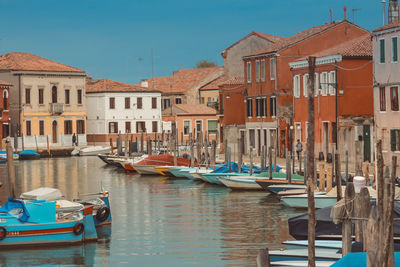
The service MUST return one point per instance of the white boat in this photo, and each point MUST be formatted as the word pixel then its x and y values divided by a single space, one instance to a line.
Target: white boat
pixel 302 254
pixel 146 169
pixel 198 173
pixel 242 182
pixel 321 245
pixel 301 201
pixel 278 188
pixel 304 263
pixel 94 150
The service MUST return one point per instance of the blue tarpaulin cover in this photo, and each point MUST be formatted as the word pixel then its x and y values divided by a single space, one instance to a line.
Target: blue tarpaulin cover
pixel 224 168
pixel 14 204
pixel 29 152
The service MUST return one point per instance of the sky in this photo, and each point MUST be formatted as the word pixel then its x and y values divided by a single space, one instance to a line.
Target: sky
pixel 130 40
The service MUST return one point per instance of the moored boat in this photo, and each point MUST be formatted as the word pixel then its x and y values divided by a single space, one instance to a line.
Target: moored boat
pixel 301 201
pixel 245 182
pixel 28 154
pixel 94 150
pixel 283 187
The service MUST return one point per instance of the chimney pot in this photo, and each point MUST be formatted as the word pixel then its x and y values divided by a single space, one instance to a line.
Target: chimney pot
pixel 345 12
pixel 330 12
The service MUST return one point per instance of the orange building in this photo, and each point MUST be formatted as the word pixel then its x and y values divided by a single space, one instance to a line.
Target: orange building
pixel 268 81
pixel 191 119
pixel 343 73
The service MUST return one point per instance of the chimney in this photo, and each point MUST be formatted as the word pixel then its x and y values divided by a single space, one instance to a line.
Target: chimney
pixel 345 12
pixel 393 11
pixel 330 12
pixel 144 83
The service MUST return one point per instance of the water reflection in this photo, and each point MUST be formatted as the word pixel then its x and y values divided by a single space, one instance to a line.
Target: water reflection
pixel 157 221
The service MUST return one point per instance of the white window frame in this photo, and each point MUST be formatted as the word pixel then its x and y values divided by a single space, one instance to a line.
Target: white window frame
pixel 201 125
pixel 391 49
pixel 262 70
pixel 248 71
pixel 190 127
pixel 272 68
pixel 316 84
pixel 332 82
pixel 324 85
pixel 296 86
pixel 257 70
pixel 305 85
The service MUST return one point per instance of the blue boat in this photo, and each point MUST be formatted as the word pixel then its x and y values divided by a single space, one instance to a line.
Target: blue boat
pixel 28 154
pixel 101 210
pixel 3 156
pixel 360 260
pixel 37 223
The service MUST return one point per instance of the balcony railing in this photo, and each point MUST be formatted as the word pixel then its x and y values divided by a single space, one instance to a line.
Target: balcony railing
pixel 56 108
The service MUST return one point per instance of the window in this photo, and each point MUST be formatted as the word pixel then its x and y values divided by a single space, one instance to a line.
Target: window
pixel 316 84
pixel 140 127
pixel 395 140
pixel 394 98
pixel 127 127
pixel 257 70
pixel 41 96
pixel 305 85
pixel 332 83
pixel 80 126
pixel 67 127
pixel 208 100
pixel 199 126
pixel 127 102
pixel 382 51
pixel 382 98
pixel 262 70
pixel 139 103
pixel 272 63
pixel 178 100
pixel 113 127
pixel 272 106
pixel 5 98
pixel 28 96
pixel 394 50
pixel 258 107
pixel 112 103
pixel 324 83
pixel 54 94
pixel 212 126
pixel 154 102
pixel 202 100
pixel 167 102
pixel 264 110
pixel 66 97
pixel 296 86
pixel 79 96
pixel 41 127
pixel 249 107
pixel 154 126
pixel 248 71
pixel 28 128
pixel 186 127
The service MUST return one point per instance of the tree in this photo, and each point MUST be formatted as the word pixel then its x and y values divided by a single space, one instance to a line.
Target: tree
pixel 205 64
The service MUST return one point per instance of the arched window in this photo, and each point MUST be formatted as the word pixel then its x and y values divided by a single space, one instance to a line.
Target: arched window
pixel 54 94
pixel 5 100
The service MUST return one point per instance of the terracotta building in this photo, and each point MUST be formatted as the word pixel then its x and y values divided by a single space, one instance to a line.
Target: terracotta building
pixel 4 109
pixel 343 73
pixel 268 81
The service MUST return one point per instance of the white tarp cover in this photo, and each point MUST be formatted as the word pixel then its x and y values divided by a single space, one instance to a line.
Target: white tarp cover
pixel 42 193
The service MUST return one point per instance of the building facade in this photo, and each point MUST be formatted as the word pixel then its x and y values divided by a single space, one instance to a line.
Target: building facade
pixel 47 101
pixel 119 108
pixel 4 109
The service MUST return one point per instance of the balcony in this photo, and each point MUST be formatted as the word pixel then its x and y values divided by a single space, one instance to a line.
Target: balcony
pixel 56 108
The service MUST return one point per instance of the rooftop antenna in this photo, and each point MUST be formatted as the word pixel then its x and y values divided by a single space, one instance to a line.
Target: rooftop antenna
pixel 383 7
pixel 354 10
pixel 152 67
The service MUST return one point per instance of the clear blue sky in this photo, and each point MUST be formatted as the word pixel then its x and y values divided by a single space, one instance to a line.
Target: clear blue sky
pixel 114 38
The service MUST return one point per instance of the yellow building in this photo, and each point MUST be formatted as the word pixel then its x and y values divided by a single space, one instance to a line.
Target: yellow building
pixel 47 102
pixel 209 93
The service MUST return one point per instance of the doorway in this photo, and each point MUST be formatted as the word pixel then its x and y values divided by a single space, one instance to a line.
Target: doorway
pixel 54 127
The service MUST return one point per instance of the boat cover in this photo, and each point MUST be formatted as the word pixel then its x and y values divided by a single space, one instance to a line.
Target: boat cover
pixel 164 160
pixel 42 193
pixel 298 226
pixel 29 152
pixel 15 208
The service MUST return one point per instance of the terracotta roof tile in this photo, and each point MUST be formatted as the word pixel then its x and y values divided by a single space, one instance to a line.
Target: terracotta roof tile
pixel 285 43
pixel 233 81
pixel 105 85
pixel 196 109
pixel 388 26
pixel 4 83
pixel 266 36
pixel 28 62
pixel 213 85
pixel 182 80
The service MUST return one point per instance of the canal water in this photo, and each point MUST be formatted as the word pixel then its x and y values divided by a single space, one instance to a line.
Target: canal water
pixel 156 221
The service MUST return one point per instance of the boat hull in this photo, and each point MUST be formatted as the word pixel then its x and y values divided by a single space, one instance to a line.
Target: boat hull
pixel 146 169
pixel 243 184
pixel 91 151
pixel 301 201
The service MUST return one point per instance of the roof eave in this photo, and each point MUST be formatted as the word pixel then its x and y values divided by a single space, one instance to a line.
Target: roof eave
pixel 33 72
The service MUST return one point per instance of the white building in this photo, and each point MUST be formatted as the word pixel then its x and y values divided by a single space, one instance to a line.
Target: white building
pixel 115 107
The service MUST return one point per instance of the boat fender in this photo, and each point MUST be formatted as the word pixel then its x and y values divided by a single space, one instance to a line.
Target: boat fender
pixel 3 233
pixel 78 228
pixel 102 214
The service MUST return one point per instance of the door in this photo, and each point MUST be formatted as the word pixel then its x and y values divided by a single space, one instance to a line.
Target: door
pixel 54 126
pixel 367 142
pixel 265 139
pixel 252 138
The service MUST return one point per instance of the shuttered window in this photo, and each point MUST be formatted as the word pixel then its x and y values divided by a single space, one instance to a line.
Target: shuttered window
pixel 394 97
pixel 139 103
pixel 127 102
pixel 382 98
pixel 394 49
pixel 112 103
pixel 382 51
pixel 395 140
pixel 80 126
pixel 28 128
pixel 113 127
pixel 212 126
pixel 249 107
pixel 41 127
pixel 154 102
pixel 67 127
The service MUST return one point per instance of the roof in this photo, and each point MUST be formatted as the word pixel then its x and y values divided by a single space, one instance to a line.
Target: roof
pixel 106 85
pixel 21 61
pixel 358 47
pixel 285 43
pixel 213 85
pixel 265 36
pixel 189 109
pixel 392 25
pixel 182 80
pixel 4 83
pixel 233 81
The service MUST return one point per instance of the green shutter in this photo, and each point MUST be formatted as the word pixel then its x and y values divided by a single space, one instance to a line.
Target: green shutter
pixel 382 50
pixel 393 140
pixel 394 49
